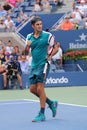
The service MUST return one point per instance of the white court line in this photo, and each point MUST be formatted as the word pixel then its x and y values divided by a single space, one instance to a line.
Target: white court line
pixel 68 104
pixel 25 101
pixel 74 105
pixel 13 102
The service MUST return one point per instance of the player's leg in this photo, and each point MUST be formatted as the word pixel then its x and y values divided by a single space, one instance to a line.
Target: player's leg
pixel 33 89
pixel 5 80
pixel 19 80
pixel 52 104
pixel 42 97
pixel 38 90
pixel 41 93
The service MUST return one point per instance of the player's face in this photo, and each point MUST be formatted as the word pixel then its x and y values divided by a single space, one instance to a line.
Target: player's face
pixel 38 26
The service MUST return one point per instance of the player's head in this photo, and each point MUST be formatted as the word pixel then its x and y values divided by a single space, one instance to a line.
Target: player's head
pixel 36 23
pixel 35 19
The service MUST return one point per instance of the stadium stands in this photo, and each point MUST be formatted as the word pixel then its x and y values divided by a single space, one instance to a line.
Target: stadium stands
pixel 72 39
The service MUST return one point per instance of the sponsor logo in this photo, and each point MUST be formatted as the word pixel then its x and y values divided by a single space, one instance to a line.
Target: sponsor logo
pixel 77 45
pixel 61 80
pixel 80 42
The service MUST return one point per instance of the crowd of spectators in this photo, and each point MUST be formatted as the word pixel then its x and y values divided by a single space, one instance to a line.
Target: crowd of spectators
pixel 45 6
pixel 10 54
pixel 10 20
pixel 7 23
pixel 76 18
pixel 40 6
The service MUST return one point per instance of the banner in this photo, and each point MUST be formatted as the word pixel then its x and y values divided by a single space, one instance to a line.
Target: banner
pixel 67 79
pixel 72 39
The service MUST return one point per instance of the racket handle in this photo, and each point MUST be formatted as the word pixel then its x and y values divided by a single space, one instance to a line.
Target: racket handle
pixel 45 68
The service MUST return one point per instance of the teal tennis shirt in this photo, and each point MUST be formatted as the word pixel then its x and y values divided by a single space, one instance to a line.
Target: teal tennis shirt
pixel 39 48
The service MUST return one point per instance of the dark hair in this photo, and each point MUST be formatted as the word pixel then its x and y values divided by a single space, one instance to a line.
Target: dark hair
pixel 9 40
pixel 35 19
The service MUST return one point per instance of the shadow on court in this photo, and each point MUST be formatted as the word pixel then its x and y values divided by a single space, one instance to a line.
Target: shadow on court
pixel 18 115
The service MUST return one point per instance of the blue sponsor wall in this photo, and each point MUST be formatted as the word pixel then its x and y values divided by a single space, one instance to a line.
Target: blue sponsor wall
pixel 72 39
pixel 57 79
pixel 67 79
pixel 48 21
pixel 62 79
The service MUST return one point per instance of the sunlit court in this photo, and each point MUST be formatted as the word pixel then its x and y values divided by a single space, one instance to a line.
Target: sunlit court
pixel 18 107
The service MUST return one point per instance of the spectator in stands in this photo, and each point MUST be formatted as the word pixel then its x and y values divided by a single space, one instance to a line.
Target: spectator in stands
pixel 46 6
pixel 17 50
pixel 12 70
pixel 8 48
pixel 7 7
pixel 83 8
pixel 85 24
pixel 77 1
pixel 2 71
pixel 27 52
pixel 10 24
pixel 76 15
pixel 18 22
pixel 2 65
pixel 2 68
pixel 67 24
pixel 2 56
pixel 12 3
pixel 29 58
pixel 19 57
pixel 1 44
pixel 14 54
pixel 59 2
pixel 24 64
pixel 11 27
pixel 20 1
pixel 57 59
pixel 3 12
pixel 23 16
pixel 37 6
pixel 2 25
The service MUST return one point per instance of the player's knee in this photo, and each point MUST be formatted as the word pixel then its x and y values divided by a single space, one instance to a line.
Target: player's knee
pixel 39 90
pixel 32 90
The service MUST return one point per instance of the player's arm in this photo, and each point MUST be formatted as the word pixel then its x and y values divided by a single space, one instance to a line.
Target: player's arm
pixel 28 43
pixel 52 49
pixel 28 39
pixel 55 50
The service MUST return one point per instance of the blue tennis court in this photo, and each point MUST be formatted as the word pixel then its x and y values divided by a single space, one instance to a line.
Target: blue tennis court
pixel 18 115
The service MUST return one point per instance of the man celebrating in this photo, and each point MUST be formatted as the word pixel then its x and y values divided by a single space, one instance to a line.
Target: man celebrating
pixel 43 47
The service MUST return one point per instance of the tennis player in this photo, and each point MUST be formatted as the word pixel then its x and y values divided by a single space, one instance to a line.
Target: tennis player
pixel 43 47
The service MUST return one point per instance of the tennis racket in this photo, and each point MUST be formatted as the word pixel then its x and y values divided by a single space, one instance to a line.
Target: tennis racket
pixel 50 50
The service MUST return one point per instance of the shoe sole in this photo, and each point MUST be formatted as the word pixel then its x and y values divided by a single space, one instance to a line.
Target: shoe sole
pixel 38 121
